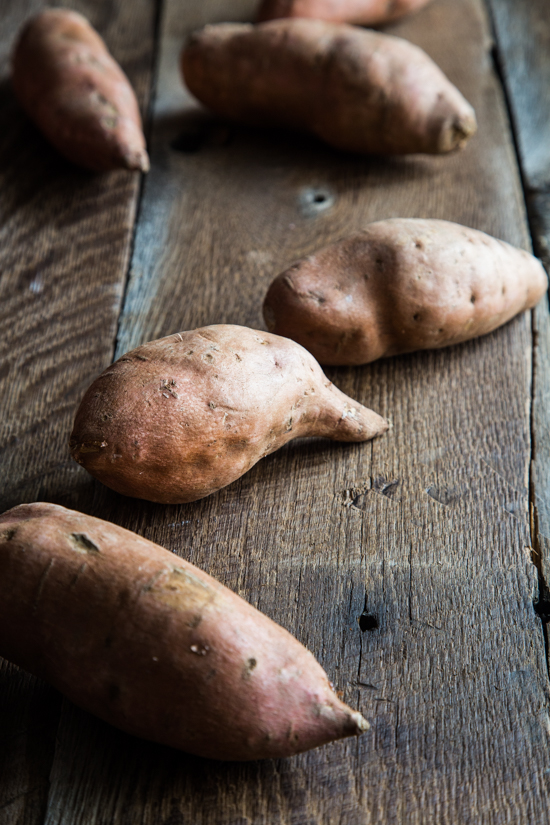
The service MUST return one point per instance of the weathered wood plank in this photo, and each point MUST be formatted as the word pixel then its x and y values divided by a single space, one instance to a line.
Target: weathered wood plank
pixel 522 33
pixel 64 247
pixel 425 533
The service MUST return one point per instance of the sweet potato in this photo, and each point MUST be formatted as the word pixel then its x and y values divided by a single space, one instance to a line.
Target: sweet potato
pixel 401 285
pixel 358 90
pixel 78 96
pixel 155 646
pixel 362 12
pixel 177 419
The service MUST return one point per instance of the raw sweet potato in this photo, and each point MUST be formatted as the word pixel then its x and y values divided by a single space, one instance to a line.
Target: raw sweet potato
pixel 151 644
pixel 362 12
pixel 78 96
pixel 177 419
pixel 358 90
pixel 399 286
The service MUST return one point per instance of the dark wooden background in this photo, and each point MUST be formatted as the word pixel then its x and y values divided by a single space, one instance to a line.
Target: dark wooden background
pixel 438 534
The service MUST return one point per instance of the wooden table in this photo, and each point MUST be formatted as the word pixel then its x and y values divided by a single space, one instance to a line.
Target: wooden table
pixel 437 535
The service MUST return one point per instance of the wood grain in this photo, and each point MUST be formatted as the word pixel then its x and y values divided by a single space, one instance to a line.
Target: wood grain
pixel 523 43
pixel 64 248
pixel 404 565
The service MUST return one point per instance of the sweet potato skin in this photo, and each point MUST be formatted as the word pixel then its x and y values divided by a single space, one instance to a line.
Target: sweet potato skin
pixel 153 645
pixel 179 418
pixel 78 96
pixel 402 285
pixel 360 12
pixel 358 90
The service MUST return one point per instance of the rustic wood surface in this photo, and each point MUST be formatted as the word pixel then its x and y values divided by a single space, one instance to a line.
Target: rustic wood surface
pixel 523 49
pixel 65 240
pixel 405 565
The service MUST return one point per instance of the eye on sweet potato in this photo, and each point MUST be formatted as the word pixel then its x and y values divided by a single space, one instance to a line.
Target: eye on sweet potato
pixel 401 285
pixel 358 90
pixel 361 12
pixel 179 418
pixel 148 642
pixel 78 96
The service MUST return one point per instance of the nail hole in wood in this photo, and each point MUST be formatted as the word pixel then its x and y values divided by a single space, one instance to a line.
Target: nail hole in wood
pixel 367 621
pixel 313 200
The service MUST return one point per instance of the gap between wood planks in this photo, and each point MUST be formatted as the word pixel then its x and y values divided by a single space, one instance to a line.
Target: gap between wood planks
pixel 148 130
pixel 541 604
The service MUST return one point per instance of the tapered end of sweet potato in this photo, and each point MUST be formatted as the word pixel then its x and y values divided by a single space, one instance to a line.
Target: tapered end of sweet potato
pixel 310 717
pixel 333 721
pixel 456 133
pixel 343 419
pixel 357 724
pixel 137 161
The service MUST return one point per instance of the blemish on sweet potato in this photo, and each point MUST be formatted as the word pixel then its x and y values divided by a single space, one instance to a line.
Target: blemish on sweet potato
pixel 83 543
pixel 249 666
